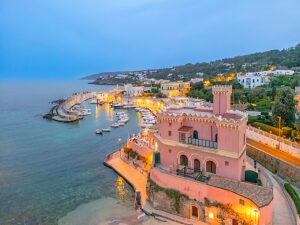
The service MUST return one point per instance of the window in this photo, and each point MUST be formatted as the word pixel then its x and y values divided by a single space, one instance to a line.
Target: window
pixel 170 124
pixel 170 150
pixel 170 133
pixel 194 211
pixel 182 137
pixel 242 202
pixel 226 163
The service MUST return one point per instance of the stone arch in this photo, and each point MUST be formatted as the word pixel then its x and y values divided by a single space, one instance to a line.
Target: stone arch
pixel 211 167
pixel 211 160
pixel 182 153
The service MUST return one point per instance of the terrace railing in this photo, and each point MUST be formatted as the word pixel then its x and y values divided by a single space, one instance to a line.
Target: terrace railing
pixel 202 142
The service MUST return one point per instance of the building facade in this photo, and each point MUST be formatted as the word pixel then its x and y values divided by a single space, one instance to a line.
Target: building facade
pixel 175 88
pixel 201 152
pixel 252 80
pixel 133 91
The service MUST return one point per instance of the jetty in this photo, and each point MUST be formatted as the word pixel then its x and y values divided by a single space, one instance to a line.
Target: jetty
pixel 61 111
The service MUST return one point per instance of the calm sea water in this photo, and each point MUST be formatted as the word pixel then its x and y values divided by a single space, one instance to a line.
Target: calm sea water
pixel 48 169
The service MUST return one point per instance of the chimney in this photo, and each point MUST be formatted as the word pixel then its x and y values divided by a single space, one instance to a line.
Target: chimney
pixel 222 98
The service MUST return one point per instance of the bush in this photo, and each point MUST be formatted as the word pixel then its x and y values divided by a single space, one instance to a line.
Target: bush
pixel 266 127
pixel 287 131
pixel 294 195
pixel 127 149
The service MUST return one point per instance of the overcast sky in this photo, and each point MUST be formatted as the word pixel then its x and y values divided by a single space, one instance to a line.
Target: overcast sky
pixel 62 39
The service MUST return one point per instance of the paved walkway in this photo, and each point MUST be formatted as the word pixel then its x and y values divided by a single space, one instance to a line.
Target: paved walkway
pixel 282 212
pixel 274 152
pixel 137 180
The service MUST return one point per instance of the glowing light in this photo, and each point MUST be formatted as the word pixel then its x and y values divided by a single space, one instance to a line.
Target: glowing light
pixel 211 215
pixel 206 83
pixel 120 185
pixel 155 146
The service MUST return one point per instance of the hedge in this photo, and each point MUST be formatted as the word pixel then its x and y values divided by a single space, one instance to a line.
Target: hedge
pixel 294 195
pixel 266 128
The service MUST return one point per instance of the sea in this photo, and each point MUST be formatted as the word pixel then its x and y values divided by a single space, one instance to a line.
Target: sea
pixel 51 172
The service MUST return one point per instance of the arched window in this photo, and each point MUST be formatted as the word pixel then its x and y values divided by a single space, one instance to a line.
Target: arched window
pixel 195 134
pixel 216 138
pixel 210 167
pixel 197 167
pixel 184 160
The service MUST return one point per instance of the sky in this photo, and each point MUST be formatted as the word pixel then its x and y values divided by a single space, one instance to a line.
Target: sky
pixel 67 39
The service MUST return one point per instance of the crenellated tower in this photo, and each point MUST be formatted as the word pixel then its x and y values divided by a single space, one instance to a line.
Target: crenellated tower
pixel 221 98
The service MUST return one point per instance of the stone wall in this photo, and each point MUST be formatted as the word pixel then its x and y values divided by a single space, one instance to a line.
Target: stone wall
pixel 160 200
pixel 274 141
pixel 284 170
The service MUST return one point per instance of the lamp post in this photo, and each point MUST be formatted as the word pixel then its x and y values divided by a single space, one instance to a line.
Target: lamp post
pixel 279 123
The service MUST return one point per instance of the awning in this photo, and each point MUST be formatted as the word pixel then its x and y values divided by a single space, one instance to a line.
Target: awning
pixel 185 129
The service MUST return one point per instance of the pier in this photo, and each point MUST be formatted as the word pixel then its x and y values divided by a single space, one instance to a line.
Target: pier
pixel 62 111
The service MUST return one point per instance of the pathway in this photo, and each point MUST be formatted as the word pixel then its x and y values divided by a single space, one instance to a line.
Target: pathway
pixel 136 179
pixel 139 181
pixel 282 212
pixel 281 155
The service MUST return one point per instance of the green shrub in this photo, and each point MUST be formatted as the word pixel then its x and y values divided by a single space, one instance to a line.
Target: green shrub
pixel 294 195
pixel 287 131
pixel 266 127
pixel 251 119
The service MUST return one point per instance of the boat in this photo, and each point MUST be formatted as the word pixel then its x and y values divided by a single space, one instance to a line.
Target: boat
pixel 121 124
pixel 117 105
pixel 128 106
pixel 115 125
pixel 106 130
pixel 98 131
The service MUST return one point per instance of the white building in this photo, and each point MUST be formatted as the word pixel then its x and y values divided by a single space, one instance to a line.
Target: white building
pixel 250 81
pixel 196 80
pixel 283 72
pixel 132 91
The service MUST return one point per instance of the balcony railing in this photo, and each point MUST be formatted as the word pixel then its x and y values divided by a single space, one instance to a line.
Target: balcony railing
pixel 202 142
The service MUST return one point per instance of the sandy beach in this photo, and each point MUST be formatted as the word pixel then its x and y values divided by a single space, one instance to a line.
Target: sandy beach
pixel 108 211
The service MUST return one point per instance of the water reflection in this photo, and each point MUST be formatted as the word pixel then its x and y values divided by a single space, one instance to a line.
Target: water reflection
pixel 120 188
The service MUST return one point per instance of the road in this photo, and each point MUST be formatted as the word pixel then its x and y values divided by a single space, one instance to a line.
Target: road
pixel 274 152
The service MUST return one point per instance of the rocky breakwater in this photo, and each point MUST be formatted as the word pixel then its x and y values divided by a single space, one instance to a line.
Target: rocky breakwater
pixel 61 111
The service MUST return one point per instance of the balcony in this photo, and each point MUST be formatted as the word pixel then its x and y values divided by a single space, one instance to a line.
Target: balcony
pixel 191 173
pixel 202 142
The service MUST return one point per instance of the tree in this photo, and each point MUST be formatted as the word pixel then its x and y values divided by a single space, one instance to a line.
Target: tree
pixel 284 107
pixel 297 123
pixel 273 93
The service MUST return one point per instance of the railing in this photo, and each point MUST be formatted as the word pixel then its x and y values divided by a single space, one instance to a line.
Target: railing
pixel 275 137
pixel 202 142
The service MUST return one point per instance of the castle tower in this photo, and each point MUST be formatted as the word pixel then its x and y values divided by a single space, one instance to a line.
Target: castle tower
pixel 222 98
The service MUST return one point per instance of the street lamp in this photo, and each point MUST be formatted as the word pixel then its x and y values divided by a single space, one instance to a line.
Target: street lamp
pixel 279 122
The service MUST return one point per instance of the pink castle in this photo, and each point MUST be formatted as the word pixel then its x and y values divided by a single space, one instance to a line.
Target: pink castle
pixel 201 153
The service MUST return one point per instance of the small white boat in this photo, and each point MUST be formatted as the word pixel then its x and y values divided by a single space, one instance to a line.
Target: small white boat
pixel 98 131
pixel 115 125
pixel 121 124
pixel 106 130
pixel 128 106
